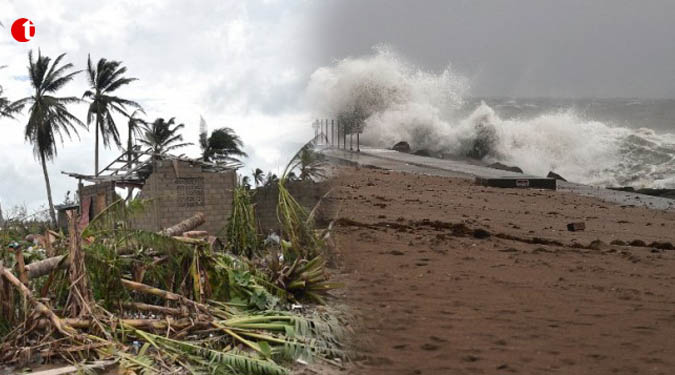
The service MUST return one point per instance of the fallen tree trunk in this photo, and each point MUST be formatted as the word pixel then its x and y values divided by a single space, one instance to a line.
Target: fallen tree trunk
pixel 80 368
pixel 80 295
pixel 185 225
pixel 189 240
pixel 196 234
pixel 153 324
pixel 46 266
pixel 62 327
pixel 154 308
pixel 144 288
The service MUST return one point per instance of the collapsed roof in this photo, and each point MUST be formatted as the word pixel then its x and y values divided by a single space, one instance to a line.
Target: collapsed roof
pixel 134 172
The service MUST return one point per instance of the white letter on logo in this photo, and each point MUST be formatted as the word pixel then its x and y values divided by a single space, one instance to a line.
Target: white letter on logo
pixel 26 30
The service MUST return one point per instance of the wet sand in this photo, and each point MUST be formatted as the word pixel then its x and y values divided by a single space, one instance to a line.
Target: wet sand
pixel 452 278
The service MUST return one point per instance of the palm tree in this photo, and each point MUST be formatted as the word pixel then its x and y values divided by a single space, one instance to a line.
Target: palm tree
pixel 309 166
pixel 48 115
pixel 7 108
pixel 258 177
pixel 271 179
pixel 224 145
pixel 135 129
pixel 162 136
pixel 246 182
pixel 104 79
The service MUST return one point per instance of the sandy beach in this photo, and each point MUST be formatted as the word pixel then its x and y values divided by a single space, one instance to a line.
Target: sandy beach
pixel 452 278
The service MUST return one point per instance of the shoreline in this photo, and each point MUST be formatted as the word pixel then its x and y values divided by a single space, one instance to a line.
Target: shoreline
pixel 397 161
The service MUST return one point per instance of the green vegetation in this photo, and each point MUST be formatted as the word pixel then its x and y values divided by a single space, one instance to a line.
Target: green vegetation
pixel 242 234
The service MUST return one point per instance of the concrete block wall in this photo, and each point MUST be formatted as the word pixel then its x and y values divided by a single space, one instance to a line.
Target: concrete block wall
pixel 101 195
pixel 177 190
pixel 307 193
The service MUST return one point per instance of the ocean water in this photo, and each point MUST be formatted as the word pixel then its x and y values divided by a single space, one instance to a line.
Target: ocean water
pixel 626 142
pixel 604 142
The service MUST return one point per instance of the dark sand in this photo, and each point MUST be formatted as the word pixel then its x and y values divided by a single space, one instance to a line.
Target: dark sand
pixel 453 278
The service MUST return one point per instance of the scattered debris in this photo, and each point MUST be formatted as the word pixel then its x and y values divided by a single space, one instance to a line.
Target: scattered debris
pixel 185 225
pixel 637 243
pixel 576 227
pixel 597 245
pixel 171 301
pixel 481 233
pixel 662 245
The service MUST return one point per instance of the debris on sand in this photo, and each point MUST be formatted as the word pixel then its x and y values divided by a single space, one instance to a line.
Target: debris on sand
pixel 576 227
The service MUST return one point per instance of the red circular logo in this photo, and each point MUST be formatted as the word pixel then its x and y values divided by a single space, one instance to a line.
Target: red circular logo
pixel 23 30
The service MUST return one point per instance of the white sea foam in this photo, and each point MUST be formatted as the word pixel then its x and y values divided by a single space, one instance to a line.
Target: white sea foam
pixel 403 103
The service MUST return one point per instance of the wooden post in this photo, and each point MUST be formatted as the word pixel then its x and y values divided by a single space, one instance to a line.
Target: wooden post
pixel 21 265
pixel 351 141
pixel 358 143
pixel 338 134
pixel 332 133
pixel 48 244
pixel 80 295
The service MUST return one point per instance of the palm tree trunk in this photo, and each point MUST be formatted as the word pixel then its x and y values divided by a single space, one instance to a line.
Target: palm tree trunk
pixel 129 147
pixel 96 151
pixel 130 157
pixel 52 213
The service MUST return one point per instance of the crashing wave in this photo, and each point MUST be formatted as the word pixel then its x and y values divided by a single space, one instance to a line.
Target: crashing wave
pixel 398 102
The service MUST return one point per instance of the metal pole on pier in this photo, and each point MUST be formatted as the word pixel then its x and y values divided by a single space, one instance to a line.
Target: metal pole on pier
pixel 315 125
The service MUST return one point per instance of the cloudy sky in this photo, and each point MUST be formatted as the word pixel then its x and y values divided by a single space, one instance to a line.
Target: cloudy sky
pixel 246 64
pixel 238 64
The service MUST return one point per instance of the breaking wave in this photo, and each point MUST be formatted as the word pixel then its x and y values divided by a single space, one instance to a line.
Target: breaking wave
pixel 399 102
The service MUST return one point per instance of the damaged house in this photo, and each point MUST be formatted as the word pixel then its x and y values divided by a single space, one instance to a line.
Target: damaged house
pixel 175 189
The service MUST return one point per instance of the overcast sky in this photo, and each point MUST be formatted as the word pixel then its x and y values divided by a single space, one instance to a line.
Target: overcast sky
pixel 571 48
pixel 246 64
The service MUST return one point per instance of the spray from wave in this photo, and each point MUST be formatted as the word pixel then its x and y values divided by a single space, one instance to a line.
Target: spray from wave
pixel 399 102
